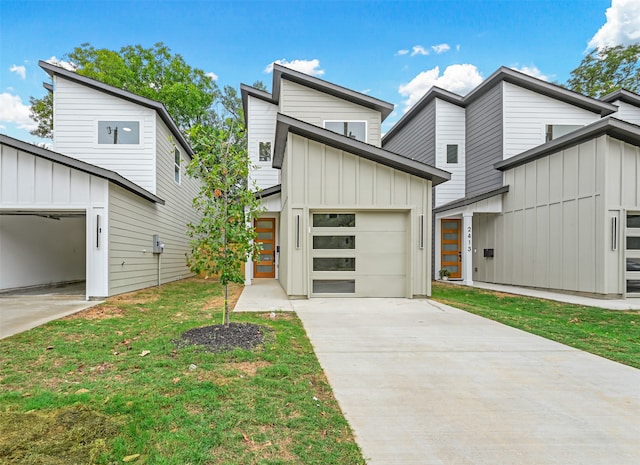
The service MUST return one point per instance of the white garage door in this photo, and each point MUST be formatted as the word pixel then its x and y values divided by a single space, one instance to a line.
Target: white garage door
pixel 361 254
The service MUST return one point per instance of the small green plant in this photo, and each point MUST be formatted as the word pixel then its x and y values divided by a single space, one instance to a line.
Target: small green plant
pixel 444 273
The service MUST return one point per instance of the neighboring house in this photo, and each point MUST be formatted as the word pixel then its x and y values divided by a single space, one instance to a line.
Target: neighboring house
pixel 544 189
pixel 97 206
pixel 344 216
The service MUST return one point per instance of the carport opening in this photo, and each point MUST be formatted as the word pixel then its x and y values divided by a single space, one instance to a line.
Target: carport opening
pixel 42 250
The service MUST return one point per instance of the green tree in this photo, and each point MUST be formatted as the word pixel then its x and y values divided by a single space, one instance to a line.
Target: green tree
pixel 607 69
pixel 188 93
pixel 225 236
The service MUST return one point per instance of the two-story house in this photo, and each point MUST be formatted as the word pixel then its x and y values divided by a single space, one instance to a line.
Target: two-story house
pixel 539 195
pixel 344 216
pixel 108 205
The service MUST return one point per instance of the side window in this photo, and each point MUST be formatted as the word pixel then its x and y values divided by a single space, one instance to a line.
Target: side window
pixel 118 132
pixel 265 151
pixel 353 129
pixel 452 153
pixel 553 131
pixel 176 165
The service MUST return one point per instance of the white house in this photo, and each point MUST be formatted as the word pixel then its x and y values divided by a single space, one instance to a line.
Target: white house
pixel 344 216
pixel 109 205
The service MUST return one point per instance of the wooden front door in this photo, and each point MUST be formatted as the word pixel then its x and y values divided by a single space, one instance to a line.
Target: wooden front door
pixel 450 247
pixel 265 266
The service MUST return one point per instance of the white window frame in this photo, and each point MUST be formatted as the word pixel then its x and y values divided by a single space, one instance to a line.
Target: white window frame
pixel 366 126
pixel 446 154
pixel 177 166
pixel 545 129
pixel 270 151
pixel 129 147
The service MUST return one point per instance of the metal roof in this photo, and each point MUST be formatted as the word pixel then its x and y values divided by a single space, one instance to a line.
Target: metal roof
pixel 624 96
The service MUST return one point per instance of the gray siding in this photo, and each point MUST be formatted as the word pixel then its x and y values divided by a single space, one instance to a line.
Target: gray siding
pixel 484 142
pixel 417 139
pixel 133 221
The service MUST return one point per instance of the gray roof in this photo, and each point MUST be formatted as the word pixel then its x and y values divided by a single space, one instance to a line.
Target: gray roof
pixel 286 124
pixel 80 166
pixel 282 72
pixel 269 191
pixel 624 96
pixel 512 76
pixel 472 199
pixel 613 127
pixel 54 70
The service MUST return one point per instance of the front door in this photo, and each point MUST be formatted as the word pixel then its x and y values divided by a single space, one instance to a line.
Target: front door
pixel 265 266
pixel 450 247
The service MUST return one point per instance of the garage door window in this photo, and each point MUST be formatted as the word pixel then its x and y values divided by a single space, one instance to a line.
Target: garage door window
pixel 334 264
pixel 334 286
pixel 334 220
pixel 334 242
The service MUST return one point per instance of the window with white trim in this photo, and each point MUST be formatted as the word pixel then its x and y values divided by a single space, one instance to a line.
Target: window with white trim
pixel 353 129
pixel 452 153
pixel 118 132
pixel 176 165
pixel 264 151
pixel 553 131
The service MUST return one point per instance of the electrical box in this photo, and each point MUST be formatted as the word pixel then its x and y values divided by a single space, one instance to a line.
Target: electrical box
pixel 158 246
pixel 488 253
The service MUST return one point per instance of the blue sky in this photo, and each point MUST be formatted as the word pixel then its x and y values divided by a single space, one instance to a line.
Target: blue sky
pixel 392 50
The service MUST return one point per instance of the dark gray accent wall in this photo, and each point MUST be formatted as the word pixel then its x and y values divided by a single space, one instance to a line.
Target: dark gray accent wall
pixel 484 142
pixel 417 139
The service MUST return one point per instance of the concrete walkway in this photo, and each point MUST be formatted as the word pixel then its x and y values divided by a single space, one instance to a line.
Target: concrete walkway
pixel 424 383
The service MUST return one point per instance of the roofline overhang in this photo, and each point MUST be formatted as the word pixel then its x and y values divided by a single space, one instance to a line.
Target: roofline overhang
pixel 88 168
pixel 282 72
pixel 622 95
pixel 463 202
pixel 286 124
pixel 269 191
pixel 247 91
pixel 160 109
pixel 618 129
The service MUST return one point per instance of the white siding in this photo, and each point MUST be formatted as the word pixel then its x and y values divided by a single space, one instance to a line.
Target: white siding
pixel 627 112
pixel 450 130
pixel 78 109
pixel 134 221
pixel 526 114
pixel 37 250
pixel 261 128
pixel 315 107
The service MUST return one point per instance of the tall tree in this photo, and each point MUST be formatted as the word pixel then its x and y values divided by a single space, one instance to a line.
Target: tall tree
pixel 188 93
pixel 225 236
pixel 607 69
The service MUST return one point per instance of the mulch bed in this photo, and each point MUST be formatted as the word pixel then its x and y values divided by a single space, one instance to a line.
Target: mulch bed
pixel 220 338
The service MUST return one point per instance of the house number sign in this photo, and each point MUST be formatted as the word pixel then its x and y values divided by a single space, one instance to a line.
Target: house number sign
pixel 469 239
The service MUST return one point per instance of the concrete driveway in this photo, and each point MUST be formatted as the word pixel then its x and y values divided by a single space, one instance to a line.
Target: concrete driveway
pixel 424 383
pixel 23 310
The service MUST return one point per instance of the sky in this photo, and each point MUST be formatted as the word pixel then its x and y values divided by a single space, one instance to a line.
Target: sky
pixel 393 50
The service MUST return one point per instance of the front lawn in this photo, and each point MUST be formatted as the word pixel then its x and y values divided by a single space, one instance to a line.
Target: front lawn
pixel 109 385
pixel 612 334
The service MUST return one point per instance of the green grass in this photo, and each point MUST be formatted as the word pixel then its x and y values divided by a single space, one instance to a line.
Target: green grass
pixel 612 334
pixel 77 390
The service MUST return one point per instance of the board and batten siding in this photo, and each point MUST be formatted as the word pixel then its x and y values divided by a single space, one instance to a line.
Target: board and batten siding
pixel 484 144
pixel 417 138
pixel 450 130
pixel 77 110
pixel 552 233
pixel 39 250
pixel 315 107
pixel 134 221
pixel 527 114
pixel 321 177
pixel 261 127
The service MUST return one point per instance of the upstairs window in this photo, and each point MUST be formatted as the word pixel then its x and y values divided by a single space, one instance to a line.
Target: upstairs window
pixel 353 129
pixel 553 131
pixel 176 165
pixel 452 153
pixel 265 151
pixel 118 132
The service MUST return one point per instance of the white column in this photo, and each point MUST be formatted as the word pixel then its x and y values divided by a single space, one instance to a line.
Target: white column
pixel 467 248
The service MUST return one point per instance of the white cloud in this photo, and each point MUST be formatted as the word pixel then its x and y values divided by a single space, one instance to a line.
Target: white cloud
pixel 63 64
pixel 622 26
pixel 455 78
pixel 419 50
pixel 441 48
pixel 404 51
pixel 532 71
pixel 458 48
pixel 213 76
pixel 12 110
pixel 19 70
pixel 311 67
